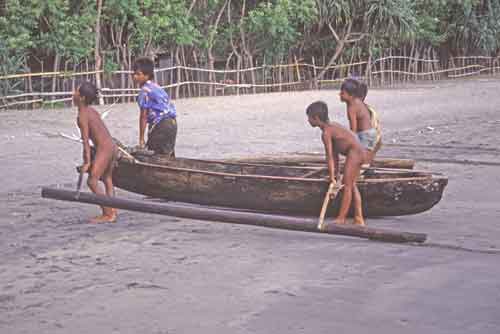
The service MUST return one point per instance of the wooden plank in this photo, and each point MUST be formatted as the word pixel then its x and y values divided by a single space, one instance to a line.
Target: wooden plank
pixel 235 217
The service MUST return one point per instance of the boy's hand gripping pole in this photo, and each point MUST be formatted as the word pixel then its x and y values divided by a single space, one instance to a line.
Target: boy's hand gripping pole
pixel 79 183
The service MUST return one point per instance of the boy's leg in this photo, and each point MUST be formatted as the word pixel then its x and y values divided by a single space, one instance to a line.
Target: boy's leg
pixel 351 171
pixel 107 177
pixel 358 209
pixel 108 181
pixel 97 170
pixel 369 155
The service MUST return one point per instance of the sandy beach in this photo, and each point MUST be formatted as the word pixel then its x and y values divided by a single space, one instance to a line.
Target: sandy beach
pixel 159 274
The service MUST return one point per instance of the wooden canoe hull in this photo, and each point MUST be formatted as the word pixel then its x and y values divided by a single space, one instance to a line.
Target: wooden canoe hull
pixel 272 188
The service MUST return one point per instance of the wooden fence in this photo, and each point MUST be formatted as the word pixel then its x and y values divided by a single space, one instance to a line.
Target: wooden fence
pixel 55 88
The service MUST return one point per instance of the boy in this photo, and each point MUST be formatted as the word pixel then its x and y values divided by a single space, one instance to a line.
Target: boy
pixel 362 119
pixel 157 111
pixel 338 139
pixel 92 128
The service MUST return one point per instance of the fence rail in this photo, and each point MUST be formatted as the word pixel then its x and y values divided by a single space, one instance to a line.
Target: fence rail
pixel 53 88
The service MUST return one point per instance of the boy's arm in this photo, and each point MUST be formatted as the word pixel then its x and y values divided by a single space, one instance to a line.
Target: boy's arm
pixel 329 152
pixel 83 124
pixel 144 101
pixel 143 121
pixel 353 122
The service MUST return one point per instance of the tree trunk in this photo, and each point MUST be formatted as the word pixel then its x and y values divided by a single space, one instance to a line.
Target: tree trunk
pixel 57 60
pixel 246 50
pixel 311 85
pixel 187 72
pixel 338 50
pixel 73 83
pixel 197 87
pixel 98 59
pixel 179 73
pixel 368 72
pixel 235 50
pixel 227 67
pixel 210 56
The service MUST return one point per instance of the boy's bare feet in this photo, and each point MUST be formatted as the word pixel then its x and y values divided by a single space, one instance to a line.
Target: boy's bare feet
pixel 359 222
pixel 104 218
pixel 340 221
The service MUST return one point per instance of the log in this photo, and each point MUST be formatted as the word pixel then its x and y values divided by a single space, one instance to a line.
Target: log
pixel 319 159
pixel 393 163
pixel 235 217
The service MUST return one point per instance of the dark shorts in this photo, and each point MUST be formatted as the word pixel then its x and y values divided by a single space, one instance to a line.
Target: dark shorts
pixel 161 138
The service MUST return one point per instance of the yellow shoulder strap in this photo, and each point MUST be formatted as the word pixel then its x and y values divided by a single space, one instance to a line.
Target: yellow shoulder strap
pixel 375 121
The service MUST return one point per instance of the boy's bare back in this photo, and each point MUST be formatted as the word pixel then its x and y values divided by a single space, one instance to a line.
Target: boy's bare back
pixel 90 120
pixel 343 139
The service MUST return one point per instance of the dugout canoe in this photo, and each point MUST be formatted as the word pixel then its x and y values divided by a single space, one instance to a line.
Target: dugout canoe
pixel 271 188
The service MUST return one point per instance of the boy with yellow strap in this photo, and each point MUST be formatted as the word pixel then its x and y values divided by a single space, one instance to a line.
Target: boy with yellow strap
pixel 363 119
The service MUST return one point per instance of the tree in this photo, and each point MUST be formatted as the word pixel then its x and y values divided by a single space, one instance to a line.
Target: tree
pixel 352 21
pixel 209 15
pixel 277 27
pixel 460 27
pixel 97 49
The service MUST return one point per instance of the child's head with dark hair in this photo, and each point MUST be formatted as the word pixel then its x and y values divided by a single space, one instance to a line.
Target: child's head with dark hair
pixel 350 86
pixel 351 89
pixel 143 70
pixel 317 111
pixel 86 93
pixel 363 90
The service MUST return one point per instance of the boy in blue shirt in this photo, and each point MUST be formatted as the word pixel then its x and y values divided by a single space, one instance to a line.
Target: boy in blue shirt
pixel 157 111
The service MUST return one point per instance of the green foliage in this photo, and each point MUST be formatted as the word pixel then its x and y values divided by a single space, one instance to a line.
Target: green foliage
pixel 391 20
pixel 17 28
pixel 156 25
pixel 15 39
pixel 49 27
pixel 63 32
pixel 110 65
pixel 277 24
pixel 205 17
pixel 374 21
pixel 271 28
pixel 335 12
pixel 10 63
pixel 465 26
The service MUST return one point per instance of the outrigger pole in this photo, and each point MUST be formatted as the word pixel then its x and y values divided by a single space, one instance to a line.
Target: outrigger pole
pixel 235 217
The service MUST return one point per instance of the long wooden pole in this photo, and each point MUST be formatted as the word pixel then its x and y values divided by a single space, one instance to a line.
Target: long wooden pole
pixel 235 217
pixel 333 191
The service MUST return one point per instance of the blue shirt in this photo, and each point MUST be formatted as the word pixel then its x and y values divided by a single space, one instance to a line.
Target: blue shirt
pixel 156 101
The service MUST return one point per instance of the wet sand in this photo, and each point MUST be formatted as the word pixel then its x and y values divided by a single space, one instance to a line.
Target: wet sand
pixel 157 274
